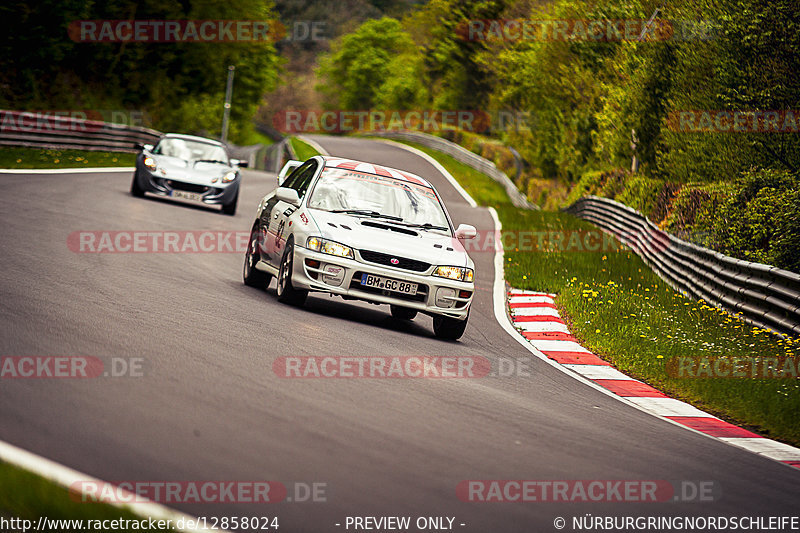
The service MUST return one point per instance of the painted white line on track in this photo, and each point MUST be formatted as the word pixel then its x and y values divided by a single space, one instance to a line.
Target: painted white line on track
pixel 71 479
pixel 93 170
pixel 456 185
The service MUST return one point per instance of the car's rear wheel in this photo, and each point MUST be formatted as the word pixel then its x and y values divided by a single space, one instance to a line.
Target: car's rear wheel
pixel 449 328
pixel 230 207
pixel 403 313
pixel 136 190
pixel 252 276
pixel 286 291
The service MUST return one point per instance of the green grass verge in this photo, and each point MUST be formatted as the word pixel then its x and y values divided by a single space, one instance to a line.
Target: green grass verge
pixel 622 311
pixel 28 496
pixel 13 157
pixel 303 150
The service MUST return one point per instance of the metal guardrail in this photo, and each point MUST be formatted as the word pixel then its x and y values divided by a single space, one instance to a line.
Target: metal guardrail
pixel 465 156
pixel 36 130
pixel 763 295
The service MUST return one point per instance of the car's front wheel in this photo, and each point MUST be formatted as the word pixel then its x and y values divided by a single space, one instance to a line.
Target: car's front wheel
pixel 252 276
pixel 136 190
pixel 230 207
pixel 403 313
pixel 449 328
pixel 286 291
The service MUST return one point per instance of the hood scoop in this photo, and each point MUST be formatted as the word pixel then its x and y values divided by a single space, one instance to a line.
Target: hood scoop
pixel 397 229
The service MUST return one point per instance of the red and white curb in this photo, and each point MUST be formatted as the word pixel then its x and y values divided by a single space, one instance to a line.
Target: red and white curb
pixel 535 316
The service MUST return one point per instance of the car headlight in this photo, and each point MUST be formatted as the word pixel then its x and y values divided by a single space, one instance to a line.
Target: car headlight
pixel 456 273
pixel 229 176
pixel 150 163
pixel 329 247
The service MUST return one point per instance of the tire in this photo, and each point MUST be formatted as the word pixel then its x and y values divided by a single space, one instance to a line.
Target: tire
pixel 230 208
pixel 252 276
pixel 136 190
pixel 403 313
pixel 286 292
pixel 449 328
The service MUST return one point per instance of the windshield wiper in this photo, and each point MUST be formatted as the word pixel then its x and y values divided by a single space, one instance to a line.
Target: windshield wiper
pixel 367 213
pixel 428 225
pixel 210 161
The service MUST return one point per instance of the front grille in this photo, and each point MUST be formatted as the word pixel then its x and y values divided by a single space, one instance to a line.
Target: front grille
pixel 386 259
pixel 188 187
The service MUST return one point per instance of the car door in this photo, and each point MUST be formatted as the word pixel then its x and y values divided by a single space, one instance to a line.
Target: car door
pixel 267 237
pixel 280 212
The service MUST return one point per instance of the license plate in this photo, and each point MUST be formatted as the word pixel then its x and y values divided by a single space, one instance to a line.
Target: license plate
pixel 187 195
pixel 368 280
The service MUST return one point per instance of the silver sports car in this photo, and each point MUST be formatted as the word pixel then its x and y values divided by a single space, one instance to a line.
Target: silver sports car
pixel 367 232
pixel 190 168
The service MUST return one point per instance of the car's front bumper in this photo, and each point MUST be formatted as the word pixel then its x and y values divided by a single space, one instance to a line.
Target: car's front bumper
pixel 216 194
pixel 435 295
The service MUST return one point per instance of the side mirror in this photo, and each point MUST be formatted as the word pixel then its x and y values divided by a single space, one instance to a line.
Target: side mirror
pixel 287 169
pixel 465 231
pixel 140 146
pixel 288 195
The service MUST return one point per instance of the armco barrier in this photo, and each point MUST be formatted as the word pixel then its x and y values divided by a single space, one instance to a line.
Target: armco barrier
pixel 21 128
pixel 764 295
pixel 463 155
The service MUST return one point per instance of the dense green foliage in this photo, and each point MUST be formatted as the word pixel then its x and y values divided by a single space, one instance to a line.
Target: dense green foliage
pixel 375 66
pixel 583 99
pixel 180 86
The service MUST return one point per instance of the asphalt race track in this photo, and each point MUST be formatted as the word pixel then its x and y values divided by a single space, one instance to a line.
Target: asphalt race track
pixel 210 407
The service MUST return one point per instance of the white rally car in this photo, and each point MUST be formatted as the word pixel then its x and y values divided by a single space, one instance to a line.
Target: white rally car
pixel 367 232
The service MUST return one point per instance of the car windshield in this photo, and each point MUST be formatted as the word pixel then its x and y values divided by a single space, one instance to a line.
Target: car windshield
pixel 191 150
pixel 378 196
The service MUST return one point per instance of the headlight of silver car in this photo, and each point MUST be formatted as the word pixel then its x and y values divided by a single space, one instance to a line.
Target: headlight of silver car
pixel 325 246
pixel 150 163
pixel 456 273
pixel 229 176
